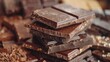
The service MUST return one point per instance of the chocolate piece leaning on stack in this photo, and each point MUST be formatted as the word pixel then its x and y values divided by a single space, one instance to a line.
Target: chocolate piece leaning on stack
pixel 17 25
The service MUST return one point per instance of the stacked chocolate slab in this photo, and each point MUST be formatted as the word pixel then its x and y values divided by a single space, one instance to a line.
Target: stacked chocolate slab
pixel 60 32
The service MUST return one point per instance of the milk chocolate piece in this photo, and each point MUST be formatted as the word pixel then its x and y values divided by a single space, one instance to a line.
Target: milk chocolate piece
pixel 59 35
pixel 48 3
pixel 67 55
pixel 59 19
pixel 30 5
pixel 82 56
pixel 62 47
pixel 70 54
pixel 11 6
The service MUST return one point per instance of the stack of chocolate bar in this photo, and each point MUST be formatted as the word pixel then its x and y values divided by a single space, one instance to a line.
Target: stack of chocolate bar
pixel 60 32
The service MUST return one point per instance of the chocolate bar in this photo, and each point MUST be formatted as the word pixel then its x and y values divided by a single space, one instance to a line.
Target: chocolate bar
pixel 70 54
pixel 59 35
pixel 56 18
pixel 80 14
pixel 101 52
pixel 21 30
pixel 61 47
pixel 96 47
pixel 10 21
pixel 1 7
pixel 82 56
pixel 11 6
pixel 105 57
pixel 17 26
pixel 30 5
pixel 48 3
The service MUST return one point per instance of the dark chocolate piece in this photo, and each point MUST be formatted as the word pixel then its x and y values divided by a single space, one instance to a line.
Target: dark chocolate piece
pixel 48 3
pixel 11 6
pixel 59 19
pixel 30 5
pixel 59 35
